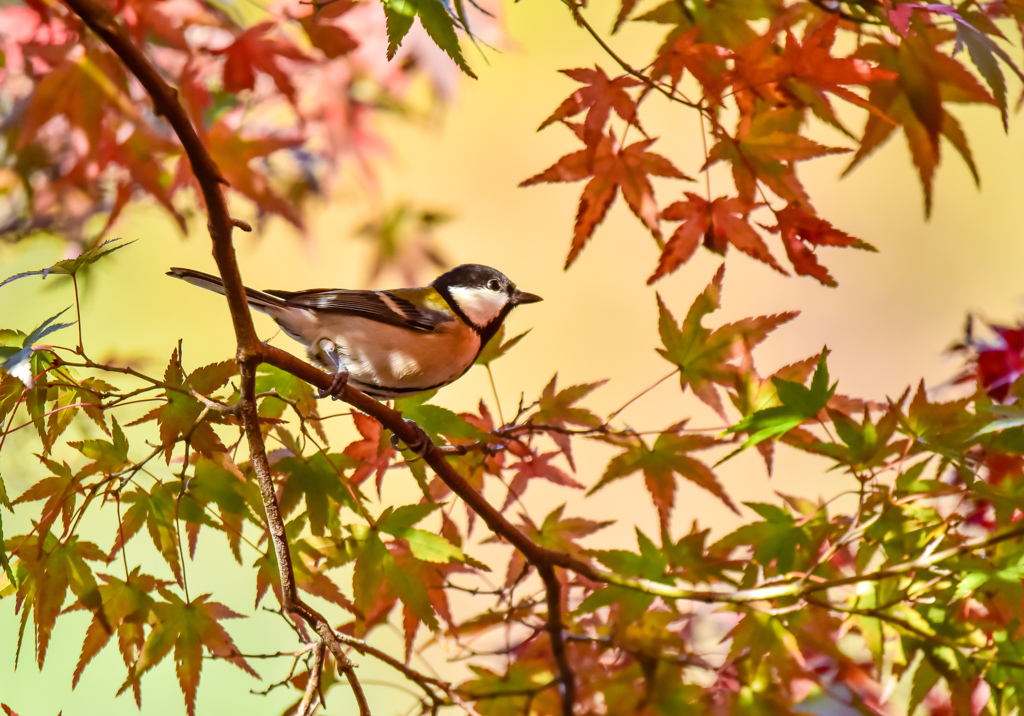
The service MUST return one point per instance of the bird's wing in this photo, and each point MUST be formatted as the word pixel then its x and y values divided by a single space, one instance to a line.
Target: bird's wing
pixel 391 307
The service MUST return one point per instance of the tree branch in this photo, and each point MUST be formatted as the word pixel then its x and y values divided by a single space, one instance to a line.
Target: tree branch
pixel 210 181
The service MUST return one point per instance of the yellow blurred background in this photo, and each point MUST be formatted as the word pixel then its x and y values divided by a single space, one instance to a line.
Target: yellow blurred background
pixel 887 324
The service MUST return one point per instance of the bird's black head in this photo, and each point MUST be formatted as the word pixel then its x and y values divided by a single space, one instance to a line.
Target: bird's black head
pixel 482 296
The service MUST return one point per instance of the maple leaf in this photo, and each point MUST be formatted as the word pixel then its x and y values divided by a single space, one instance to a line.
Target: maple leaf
pixel 420 586
pixel 108 457
pixel 498 347
pixel 179 417
pixel 535 466
pixel 68 90
pixel 188 628
pixel 233 152
pixel 943 427
pixel 72 267
pixel 555 532
pixel 812 63
pixel 437 421
pixel 127 606
pixel 556 408
pixel 137 155
pixel 702 60
pixel 373 453
pixel 253 51
pixel 798 404
pixel 717 223
pixel 927 79
pixel 649 563
pixel 60 490
pixel 798 229
pixel 435 18
pixel 612 168
pixel 320 481
pixel 661 463
pixel 865 445
pixel 293 392
pixel 237 501
pixel 779 537
pixel 599 97
pixel 332 40
pixel 309 575
pixel 702 355
pixel 47 568
pixel 156 510
pixel 764 150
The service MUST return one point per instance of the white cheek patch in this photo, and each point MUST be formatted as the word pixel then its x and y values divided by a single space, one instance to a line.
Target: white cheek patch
pixel 481 305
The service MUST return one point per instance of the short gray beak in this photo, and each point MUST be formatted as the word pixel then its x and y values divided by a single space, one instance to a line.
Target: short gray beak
pixel 520 297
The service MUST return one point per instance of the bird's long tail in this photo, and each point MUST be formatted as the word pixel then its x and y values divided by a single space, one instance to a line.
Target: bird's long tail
pixel 257 299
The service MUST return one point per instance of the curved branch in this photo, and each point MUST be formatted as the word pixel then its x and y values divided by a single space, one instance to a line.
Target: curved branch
pixel 165 103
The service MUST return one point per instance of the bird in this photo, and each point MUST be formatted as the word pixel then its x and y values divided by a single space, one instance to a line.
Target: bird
pixel 390 344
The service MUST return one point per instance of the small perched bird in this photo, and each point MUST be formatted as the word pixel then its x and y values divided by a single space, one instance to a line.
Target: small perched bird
pixel 390 344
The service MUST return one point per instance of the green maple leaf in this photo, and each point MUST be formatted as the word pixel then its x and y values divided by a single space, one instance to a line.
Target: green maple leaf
pixel 107 456
pixel 497 347
pixel 436 20
pixel 70 267
pixel 703 355
pixel 866 444
pixel 424 545
pixel 60 491
pixel 778 538
pixel 178 418
pixel 649 563
pixel 437 421
pixel 320 482
pixel 798 404
pixel 157 511
pixel 237 501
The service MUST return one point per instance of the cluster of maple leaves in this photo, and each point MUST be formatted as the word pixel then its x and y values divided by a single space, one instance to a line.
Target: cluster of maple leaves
pixel 756 88
pixel 283 95
pixel 814 608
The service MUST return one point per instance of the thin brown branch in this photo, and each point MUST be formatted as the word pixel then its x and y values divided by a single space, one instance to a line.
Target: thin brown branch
pixel 556 633
pixel 312 694
pixel 210 180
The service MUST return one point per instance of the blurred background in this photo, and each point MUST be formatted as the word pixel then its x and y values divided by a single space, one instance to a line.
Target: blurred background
pixel 887 325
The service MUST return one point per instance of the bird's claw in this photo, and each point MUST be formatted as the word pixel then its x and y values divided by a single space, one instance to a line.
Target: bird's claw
pixel 419 445
pixel 337 386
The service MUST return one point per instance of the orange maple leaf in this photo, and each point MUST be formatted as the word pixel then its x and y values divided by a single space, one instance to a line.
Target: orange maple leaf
pixel 613 168
pixel 599 97
pixel 702 60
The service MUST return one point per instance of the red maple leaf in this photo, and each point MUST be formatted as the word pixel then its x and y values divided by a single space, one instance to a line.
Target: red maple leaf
pixel 536 466
pixel 801 232
pixel 719 222
pixel 253 51
pixel 613 168
pixel 373 452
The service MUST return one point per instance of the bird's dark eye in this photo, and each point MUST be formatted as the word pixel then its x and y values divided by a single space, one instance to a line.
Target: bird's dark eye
pixel 494 285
